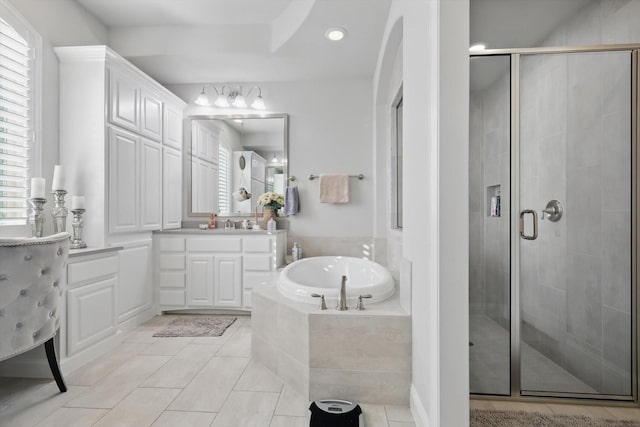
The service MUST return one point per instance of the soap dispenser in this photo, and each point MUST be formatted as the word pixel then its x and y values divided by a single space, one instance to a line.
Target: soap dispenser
pixel 271 225
pixel 295 251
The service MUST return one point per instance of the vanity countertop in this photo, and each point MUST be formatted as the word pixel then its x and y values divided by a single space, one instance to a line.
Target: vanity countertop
pixel 92 251
pixel 219 231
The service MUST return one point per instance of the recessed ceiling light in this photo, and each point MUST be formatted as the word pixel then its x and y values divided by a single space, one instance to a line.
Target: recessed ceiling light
pixel 335 34
pixel 237 120
pixel 476 47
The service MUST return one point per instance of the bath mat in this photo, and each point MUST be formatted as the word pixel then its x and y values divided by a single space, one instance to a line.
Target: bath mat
pixel 494 418
pixel 196 326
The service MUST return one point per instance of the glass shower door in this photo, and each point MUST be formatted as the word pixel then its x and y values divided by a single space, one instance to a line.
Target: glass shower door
pixel 489 243
pixel 575 223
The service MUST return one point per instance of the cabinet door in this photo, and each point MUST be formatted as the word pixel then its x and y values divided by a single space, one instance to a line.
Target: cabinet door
pixel 124 100
pixel 258 167
pixel 212 146
pixel 211 187
pixel 172 132
pixel 228 281
pixel 123 181
pixel 200 280
pixel 91 314
pixel 135 293
pixel 202 142
pixel 202 175
pixel 150 115
pixel 150 185
pixel 171 188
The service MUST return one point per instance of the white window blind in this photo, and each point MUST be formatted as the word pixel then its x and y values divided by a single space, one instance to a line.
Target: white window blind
pixel 224 179
pixel 16 129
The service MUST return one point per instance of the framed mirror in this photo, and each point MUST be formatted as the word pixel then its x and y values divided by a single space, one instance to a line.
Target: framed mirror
pixel 234 159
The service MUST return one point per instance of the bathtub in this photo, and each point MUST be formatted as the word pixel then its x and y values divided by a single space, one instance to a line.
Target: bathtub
pixel 322 275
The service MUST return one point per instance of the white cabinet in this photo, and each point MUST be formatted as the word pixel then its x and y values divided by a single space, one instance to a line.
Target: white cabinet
pixel 205 140
pixel 135 291
pixel 135 182
pixel 124 100
pixel 205 185
pixel 151 117
pixel 172 135
pixel 150 185
pixel 228 281
pixel 215 271
pixel 171 188
pixel 112 114
pixel 200 280
pixel 123 181
pixel 91 302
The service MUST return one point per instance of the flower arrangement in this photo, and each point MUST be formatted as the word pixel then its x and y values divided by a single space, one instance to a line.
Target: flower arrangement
pixel 271 200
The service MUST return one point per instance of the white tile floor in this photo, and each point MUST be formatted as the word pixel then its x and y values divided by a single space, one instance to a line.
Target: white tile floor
pixel 171 382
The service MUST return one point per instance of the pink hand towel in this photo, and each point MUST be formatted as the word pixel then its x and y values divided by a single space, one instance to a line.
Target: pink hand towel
pixel 334 188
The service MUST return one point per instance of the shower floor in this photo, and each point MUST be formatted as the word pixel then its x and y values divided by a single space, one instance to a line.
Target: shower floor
pixel 489 363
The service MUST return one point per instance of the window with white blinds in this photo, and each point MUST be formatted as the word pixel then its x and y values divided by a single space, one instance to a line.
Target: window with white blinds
pixel 224 179
pixel 16 124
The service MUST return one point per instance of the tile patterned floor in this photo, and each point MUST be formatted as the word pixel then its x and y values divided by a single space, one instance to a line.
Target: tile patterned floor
pixel 489 363
pixel 171 382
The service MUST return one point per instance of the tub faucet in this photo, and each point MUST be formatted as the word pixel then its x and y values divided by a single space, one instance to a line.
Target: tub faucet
pixel 342 296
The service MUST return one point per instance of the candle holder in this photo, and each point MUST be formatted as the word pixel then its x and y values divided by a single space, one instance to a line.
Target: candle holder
pixel 36 215
pixel 59 211
pixel 77 224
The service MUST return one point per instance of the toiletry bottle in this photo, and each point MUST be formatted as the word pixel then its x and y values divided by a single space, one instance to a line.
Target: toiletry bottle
pixel 271 225
pixel 212 221
pixel 295 251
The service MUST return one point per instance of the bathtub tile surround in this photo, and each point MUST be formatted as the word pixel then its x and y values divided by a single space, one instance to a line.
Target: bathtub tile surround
pixel 360 356
pixel 359 247
pixel 251 393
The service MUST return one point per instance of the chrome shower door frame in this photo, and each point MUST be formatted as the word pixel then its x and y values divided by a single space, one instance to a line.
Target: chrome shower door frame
pixel 516 364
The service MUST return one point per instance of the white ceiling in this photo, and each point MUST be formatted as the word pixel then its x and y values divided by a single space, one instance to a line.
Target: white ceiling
pixel 201 41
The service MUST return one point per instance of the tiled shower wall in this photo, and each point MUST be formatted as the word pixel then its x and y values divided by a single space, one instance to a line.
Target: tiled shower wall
pixel 575 136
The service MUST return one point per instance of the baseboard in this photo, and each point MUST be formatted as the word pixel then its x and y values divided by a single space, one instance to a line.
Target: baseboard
pixel 137 320
pixel 31 365
pixel 417 408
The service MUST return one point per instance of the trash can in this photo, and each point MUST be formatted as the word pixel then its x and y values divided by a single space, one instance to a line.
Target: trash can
pixel 335 413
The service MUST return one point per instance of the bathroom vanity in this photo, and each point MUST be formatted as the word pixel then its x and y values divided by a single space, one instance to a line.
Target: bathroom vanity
pixel 215 269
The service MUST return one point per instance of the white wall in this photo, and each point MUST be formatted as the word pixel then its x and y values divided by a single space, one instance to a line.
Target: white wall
pixel 329 132
pixel 60 23
pixel 435 235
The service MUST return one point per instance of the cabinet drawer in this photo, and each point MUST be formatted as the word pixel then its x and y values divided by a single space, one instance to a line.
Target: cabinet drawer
pixel 171 244
pixel 172 298
pixel 86 270
pixel 218 244
pixel 257 262
pixel 257 244
pixel 172 279
pixel 171 262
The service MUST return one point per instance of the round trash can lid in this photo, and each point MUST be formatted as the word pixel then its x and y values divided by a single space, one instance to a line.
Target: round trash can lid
pixel 334 406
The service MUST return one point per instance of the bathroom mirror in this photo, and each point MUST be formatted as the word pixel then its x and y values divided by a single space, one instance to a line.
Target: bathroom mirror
pixel 235 154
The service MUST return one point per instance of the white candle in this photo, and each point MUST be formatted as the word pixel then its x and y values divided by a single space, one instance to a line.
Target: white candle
pixel 37 188
pixel 58 178
pixel 77 202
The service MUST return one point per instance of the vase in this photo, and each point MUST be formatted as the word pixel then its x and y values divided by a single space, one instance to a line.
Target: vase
pixel 267 214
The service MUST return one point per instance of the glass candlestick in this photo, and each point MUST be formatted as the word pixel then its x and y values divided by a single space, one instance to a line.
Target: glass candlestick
pixel 77 224
pixel 59 212
pixel 36 215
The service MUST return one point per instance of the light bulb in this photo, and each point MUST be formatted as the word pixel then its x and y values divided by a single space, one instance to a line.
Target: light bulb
pixel 202 99
pixel 221 101
pixel 258 103
pixel 240 102
pixel 335 34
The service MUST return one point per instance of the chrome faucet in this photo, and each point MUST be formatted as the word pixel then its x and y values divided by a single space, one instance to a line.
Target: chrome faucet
pixel 342 296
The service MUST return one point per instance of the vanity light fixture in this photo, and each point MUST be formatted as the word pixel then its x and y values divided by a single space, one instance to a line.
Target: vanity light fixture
pixel 335 34
pixel 275 158
pixel 232 96
pixel 477 47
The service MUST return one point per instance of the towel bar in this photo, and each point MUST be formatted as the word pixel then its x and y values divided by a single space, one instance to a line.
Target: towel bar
pixel 312 176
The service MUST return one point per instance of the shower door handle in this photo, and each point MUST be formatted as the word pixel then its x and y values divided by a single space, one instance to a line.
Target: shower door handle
pixel 534 236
